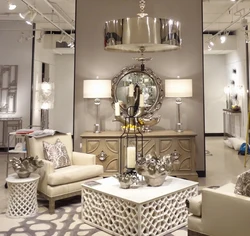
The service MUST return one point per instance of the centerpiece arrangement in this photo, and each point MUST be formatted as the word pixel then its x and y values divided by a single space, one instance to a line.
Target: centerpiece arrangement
pixel 132 111
pixel 127 179
pixel 24 166
pixel 154 168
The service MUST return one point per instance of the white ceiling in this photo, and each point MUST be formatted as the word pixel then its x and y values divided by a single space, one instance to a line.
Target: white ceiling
pixel 66 8
pixel 217 14
pixel 224 14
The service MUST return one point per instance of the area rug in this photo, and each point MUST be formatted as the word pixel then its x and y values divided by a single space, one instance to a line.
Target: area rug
pixel 66 221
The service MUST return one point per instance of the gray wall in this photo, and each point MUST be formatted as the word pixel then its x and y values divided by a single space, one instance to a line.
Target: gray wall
pixel 13 52
pixel 92 60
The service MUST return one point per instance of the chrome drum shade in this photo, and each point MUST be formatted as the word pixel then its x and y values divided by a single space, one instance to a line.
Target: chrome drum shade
pixel 137 34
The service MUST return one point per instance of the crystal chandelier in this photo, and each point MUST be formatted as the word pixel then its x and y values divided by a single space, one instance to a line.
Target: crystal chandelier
pixel 142 33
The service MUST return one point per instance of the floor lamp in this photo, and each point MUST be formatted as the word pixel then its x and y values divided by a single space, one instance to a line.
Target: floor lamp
pixel 97 89
pixel 178 88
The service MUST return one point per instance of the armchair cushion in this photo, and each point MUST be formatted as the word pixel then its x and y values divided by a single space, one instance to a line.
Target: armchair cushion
pixel 195 205
pixel 79 158
pixel 56 153
pixel 74 173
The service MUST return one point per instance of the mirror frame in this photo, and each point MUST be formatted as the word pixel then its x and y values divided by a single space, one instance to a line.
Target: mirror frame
pixel 137 68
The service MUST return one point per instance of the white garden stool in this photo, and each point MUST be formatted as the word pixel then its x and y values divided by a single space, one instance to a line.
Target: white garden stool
pixel 22 200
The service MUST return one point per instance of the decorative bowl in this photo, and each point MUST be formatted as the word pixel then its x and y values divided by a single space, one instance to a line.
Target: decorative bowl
pixel 126 179
pixel 150 121
pixel 155 180
pixel 25 166
pixel 131 129
pixel 154 169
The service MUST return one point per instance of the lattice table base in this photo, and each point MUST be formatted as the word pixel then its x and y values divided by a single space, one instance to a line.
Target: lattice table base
pixel 124 218
pixel 22 200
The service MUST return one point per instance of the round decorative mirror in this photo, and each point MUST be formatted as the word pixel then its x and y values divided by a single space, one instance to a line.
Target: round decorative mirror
pixel 150 86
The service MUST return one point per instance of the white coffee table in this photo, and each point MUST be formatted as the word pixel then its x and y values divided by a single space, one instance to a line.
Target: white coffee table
pixel 137 211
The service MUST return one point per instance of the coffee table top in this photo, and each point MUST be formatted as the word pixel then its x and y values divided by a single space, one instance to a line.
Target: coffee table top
pixel 141 194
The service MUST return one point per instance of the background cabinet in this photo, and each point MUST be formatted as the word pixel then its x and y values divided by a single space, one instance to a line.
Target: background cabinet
pixel 8 125
pixel 108 147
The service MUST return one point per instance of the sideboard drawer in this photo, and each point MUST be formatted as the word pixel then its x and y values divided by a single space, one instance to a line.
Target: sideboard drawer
pixel 106 151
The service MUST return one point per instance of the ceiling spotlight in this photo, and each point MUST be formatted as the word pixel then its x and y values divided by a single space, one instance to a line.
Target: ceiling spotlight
pixel 11 6
pixel 39 40
pixel 223 38
pixel 209 48
pixel 211 43
pixel 32 17
pixel 247 40
pixel 23 15
pixel 71 44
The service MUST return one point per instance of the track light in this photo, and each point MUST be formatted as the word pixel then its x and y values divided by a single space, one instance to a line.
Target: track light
pixel 39 40
pixel 71 44
pixel 32 17
pixel 247 40
pixel 223 38
pixel 11 6
pixel 23 15
pixel 209 48
pixel 211 43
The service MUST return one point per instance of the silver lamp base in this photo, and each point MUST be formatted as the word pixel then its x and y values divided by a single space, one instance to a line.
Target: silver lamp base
pixel 97 128
pixel 179 127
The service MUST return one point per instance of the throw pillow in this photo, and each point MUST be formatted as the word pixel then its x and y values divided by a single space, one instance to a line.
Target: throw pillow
pixel 236 142
pixel 242 186
pixel 56 153
pixel 228 143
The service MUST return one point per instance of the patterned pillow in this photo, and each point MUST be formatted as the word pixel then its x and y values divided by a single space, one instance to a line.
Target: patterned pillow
pixel 56 153
pixel 242 186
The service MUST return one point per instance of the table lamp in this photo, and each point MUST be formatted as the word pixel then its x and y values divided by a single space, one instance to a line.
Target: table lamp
pixel 46 99
pixel 178 88
pixel 97 89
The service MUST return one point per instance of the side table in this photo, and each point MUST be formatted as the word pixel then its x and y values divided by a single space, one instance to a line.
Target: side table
pixel 22 201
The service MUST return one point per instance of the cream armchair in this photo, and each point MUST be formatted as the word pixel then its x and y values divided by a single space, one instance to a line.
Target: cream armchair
pixel 219 212
pixel 55 184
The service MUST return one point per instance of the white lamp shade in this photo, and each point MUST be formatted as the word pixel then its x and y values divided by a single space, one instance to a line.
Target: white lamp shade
pixel 178 88
pixel 97 88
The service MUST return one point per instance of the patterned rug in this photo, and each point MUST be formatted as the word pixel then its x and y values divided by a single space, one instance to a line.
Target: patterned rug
pixel 65 222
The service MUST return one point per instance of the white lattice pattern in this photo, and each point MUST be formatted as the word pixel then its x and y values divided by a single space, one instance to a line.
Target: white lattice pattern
pixel 124 218
pixel 22 200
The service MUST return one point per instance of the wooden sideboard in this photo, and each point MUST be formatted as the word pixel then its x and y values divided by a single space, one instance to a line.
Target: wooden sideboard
pixel 107 147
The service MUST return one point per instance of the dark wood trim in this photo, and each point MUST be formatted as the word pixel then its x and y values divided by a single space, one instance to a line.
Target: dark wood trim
pixel 32 74
pixel 214 134
pixel 201 173
pixel 247 68
pixel 203 97
pixel 74 85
